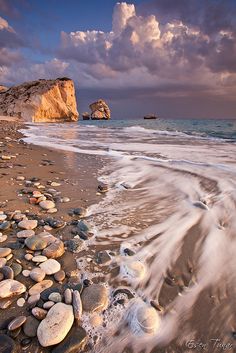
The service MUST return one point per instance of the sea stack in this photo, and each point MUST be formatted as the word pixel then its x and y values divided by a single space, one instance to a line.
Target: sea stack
pixel 100 110
pixel 41 101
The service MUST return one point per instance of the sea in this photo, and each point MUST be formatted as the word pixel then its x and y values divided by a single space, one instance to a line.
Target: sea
pixel 169 217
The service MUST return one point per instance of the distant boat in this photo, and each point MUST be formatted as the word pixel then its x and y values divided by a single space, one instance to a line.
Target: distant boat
pixel 150 116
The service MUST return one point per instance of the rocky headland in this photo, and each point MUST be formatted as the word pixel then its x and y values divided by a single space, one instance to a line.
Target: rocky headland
pixel 40 101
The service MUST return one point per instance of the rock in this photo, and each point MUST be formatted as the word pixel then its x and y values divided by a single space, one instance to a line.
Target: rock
pixel 7 272
pixel 60 276
pixel 75 245
pixel 11 287
pixel 74 342
pixel 45 294
pixel 65 199
pixel 54 250
pixel 3 262
pixel 20 178
pixel 26 273
pixel 100 110
pixel 3 217
pixel 94 298
pixel 39 258
pixel 7 345
pixel 17 268
pixel 20 302
pixel 28 257
pixel 25 343
pixel 47 205
pixel 102 257
pixel 54 183
pixel 37 274
pixel 50 266
pixel 55 297
pixel 25 233
pixel 80 211
pixel 5 225
pixel 16 323
pixel 54 328
pixel 5 303
pixel 30 326
pixel 48 304
pixel 40 287
pixel 39 313
pixel 201 205
pixel 41 101
pixel 52 210
pixel 28 224
pixel 35 243
pixel 147 318
pixel 133 269
pixel 3 237
pixel 4 252
pixel 103 188
pixel 77 304
pixel 33 299
pixel 68 296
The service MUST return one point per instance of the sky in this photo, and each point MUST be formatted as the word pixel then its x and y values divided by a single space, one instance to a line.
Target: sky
pixel 172 58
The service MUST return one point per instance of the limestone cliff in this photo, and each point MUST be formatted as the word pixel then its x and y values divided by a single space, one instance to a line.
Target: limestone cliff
pixel 100 110
pixel 41 101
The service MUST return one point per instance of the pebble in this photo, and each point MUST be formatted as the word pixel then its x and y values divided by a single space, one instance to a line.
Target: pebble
pixel 54 183
pixel 17 269
pixel 47 205
pixel 50 266
pixel 3 217
pixel 55 327
pixel 30 326
pixel 16 323
pixel 20 178
pixel 7 272
pixel 77 304
pixel 33 299
pixel 102 257
pixel 3 262
pixel 4 252
pixel 3 237
pixel 39 258
pixel 5 303
pixel 5 158
pixel 48 304
pixel 37 274
pixel 39 313
pixel 25 343
pixel 133 269
pixel 75 245
pixel 26 273
pixel 7 344
pixel 94 298
pixel 54 250
pixel 5 225
pixel 28 257
pixel 25 233
pixel 147 318
pixel 11 287
pixel 37 194
pixel 55 297
pixel 35 243
pixel 65 199
pixel 74 342
pixel 20 302
pixel 60 276
pixel 52 210
pixel 40 287
pixel 28 224
pixel 68 296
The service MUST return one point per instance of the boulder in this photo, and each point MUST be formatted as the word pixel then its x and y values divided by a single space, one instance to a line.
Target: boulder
pixel 100 110
pixel 54 328
pixel 41 101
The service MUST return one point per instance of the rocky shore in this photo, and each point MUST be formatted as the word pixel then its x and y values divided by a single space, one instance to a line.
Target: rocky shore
pixel 42 295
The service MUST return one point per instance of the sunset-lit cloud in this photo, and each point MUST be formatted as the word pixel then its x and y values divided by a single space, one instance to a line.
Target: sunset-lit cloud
pixel 159 47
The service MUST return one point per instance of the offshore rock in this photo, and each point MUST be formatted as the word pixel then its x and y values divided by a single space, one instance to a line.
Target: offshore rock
pixel 100 110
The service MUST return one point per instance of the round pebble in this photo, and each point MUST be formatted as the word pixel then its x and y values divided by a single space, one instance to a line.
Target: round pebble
pixel 20 302
pixel 35 243
pixel 16 323
pixel 39 258
pixel 55 297
pixel 50 266
pixel 60 276
pixel 4 252
pixel 47 205
pixel 37 274
pixel 28 224
pixel 25 233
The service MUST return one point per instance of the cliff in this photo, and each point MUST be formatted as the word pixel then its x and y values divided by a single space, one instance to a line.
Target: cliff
pixel 41 101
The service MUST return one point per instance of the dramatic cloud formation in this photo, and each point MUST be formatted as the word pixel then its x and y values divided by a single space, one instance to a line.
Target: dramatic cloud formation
pixel 166 48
